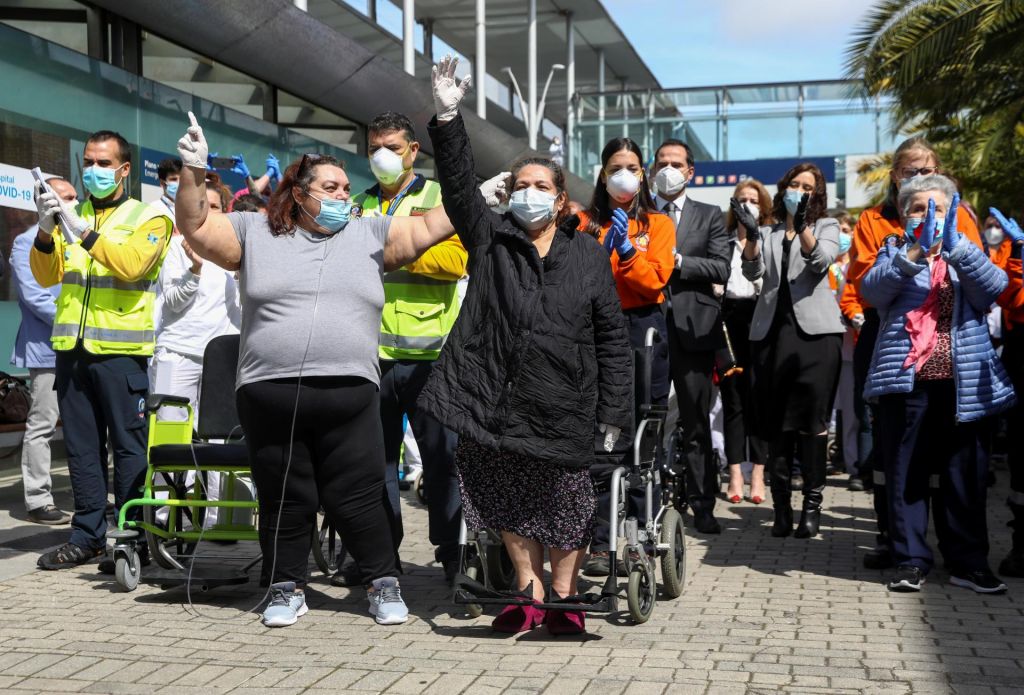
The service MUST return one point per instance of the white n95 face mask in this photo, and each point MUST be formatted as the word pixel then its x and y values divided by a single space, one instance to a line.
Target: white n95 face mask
pixel 623 185
pixel 533 209
pixel 669 181
pixel 386 166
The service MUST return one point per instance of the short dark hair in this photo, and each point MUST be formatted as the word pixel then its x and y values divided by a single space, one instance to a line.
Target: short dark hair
pixel 124 150
pixel 390 121
pixel 673 142
pixel 171 165
pixel 248 203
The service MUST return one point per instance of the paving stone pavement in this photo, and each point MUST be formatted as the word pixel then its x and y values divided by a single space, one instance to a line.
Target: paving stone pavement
pixel 759 615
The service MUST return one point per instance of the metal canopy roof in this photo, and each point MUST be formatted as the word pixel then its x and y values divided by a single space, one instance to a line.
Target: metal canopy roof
pixel 454 22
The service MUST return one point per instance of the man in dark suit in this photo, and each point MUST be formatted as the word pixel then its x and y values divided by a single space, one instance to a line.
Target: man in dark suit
pixel 702 259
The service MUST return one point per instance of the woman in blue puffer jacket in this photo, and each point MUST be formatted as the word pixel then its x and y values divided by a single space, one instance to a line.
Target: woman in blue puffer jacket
pixel 937 381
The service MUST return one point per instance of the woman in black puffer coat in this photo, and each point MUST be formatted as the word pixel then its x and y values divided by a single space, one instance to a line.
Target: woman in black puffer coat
pixel 538 358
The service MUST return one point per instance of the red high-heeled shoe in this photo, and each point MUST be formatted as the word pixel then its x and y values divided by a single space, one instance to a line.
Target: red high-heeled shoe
pixel 735 499
pixel 757 499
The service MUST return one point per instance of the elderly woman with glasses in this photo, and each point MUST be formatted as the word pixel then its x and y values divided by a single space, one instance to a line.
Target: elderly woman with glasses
pixel 937 382
pixel 312 293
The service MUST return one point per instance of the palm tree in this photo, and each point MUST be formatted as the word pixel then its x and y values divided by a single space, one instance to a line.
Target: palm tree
pixel 955 70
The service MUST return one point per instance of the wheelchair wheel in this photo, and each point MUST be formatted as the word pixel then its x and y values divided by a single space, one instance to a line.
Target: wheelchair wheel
pixel 673 562
pixel 475 571
pixel 501 573
pixel 328 550
pixel 641 592
pixel 127 569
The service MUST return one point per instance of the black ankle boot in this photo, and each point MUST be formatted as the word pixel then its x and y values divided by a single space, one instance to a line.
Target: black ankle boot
pixel 811 515
pixel 782 505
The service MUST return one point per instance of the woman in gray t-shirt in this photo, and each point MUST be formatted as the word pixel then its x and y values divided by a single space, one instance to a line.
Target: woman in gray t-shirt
pixel 312 294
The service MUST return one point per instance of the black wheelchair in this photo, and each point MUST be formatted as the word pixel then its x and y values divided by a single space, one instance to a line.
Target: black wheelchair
pixel 654 537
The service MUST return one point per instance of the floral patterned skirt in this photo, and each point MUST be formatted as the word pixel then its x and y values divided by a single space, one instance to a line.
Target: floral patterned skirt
pixel 551 504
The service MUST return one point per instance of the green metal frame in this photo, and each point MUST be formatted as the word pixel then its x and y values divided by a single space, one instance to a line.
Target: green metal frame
pixel 162 432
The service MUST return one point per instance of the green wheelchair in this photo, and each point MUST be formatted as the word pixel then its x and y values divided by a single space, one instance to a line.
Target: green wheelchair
pixel 187 459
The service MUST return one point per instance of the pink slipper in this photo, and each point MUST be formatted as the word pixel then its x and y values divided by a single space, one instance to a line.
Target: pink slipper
pixel 513 619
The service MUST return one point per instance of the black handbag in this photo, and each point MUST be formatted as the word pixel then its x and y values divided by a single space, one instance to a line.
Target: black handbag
pixel 15 399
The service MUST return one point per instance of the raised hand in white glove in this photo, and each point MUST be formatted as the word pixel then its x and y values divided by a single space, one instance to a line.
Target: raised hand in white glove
pixel 47 207
pixel 447 94
pixel 495 189
pixel 611 435
pixel 192 147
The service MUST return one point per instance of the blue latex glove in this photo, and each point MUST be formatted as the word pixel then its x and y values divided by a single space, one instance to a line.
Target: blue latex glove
pixel 273 168
pixel 240 168
pixel 1009 225
pixel 949 234
pixel 926 232
pixel 620 230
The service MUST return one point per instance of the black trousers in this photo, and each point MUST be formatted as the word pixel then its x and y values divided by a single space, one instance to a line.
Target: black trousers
pixel 919 437
pixel 400 384
pixel 102 396
pixel 1013 360
pixel 867 440
pixel 691 374
pixel 741 440
pixel 337 462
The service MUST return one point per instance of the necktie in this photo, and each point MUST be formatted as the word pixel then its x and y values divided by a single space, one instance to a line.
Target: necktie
pixel 672 211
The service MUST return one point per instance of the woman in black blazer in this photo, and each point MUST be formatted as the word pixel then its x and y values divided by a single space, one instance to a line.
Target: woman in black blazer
pixel 796 337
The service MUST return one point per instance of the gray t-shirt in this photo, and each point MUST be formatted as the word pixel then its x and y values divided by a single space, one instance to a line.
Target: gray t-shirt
pixel 281 314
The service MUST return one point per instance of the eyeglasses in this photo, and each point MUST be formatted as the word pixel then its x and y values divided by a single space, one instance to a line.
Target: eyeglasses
pixel 909 173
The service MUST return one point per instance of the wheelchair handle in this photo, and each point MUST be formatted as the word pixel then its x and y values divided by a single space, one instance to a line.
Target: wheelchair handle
pixel 652 336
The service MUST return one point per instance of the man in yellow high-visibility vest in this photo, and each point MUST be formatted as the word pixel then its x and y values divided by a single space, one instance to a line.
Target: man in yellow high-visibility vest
pixel 106 252
pixel 421 303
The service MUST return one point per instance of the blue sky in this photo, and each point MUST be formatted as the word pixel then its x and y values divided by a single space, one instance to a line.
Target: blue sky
pixel 692 43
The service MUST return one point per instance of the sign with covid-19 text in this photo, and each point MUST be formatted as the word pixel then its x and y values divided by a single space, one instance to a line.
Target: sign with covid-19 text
pixel 16 187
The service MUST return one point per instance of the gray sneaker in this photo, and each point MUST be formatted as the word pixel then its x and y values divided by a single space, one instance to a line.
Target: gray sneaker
pixel 386 604
pixel 286 605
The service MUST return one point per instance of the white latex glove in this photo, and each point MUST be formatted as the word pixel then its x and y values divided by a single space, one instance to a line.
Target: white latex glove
pixel 858 321
pixel 72 223
pixel 611 435
pixel 495 189
pixel 679 261
pixel 47 206
pixel 192 147
pixel 447 94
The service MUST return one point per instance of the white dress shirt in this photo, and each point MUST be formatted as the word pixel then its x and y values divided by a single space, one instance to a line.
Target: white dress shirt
pixel 673 213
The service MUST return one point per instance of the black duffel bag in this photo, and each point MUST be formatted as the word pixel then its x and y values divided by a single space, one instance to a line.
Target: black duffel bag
pixel 15 399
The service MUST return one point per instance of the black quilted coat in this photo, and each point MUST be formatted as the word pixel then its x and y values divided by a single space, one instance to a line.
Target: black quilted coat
pixel 540 352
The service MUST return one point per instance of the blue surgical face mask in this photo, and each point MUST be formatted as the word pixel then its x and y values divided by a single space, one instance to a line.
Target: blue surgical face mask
pixel 792 200
pixel 334 214
pixel 100 181
pixel 910 229
pixel 532 208
pixel 845 241
pixel 172 189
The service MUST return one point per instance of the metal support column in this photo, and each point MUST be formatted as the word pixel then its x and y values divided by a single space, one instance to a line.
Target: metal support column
pixel 371 9
pixel 531 59
pixel 480 63
pixel 625 109
pixel 600 99
pixel 725 124
pixel 570 88
pixel 408 36
pixel 428 39
pixel 800 121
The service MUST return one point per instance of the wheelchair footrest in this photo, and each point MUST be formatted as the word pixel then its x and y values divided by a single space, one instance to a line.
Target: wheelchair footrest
pixel 587 603
pixel 204 577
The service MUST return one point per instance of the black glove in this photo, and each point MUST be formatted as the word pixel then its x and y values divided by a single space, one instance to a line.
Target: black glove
pixel 800 218
pixel 745 218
